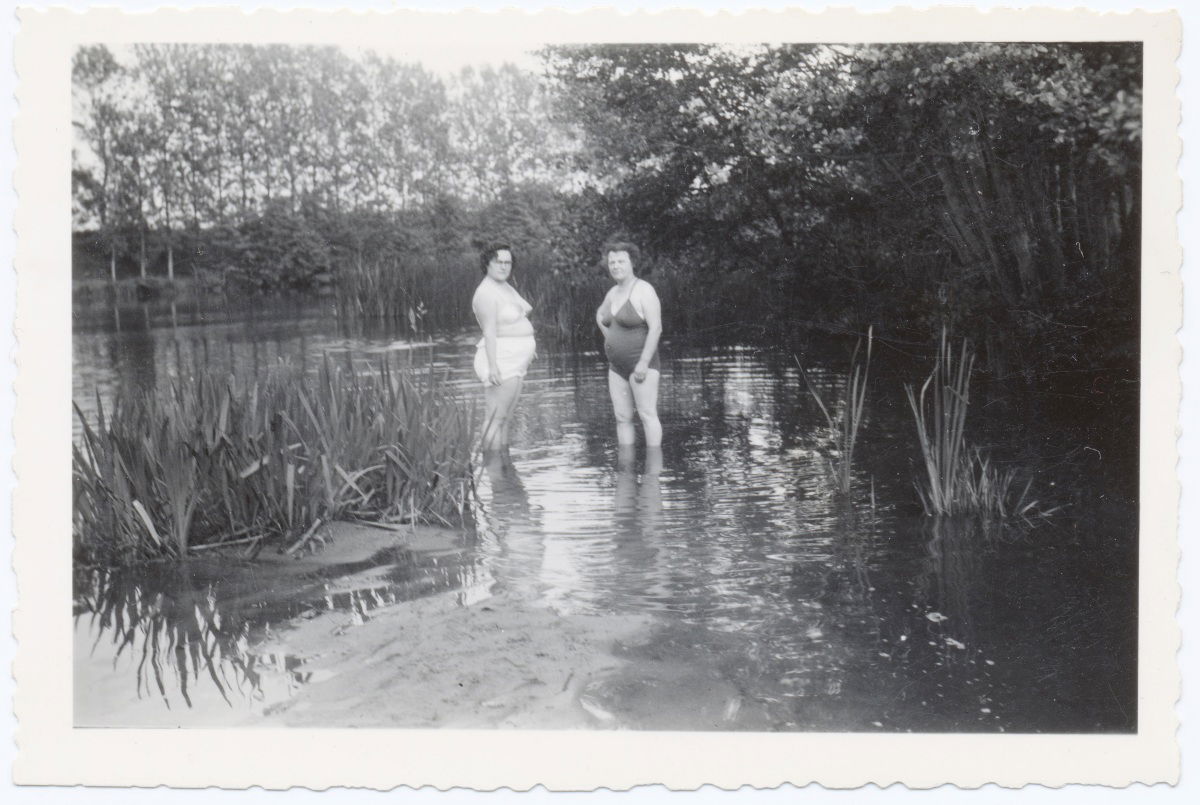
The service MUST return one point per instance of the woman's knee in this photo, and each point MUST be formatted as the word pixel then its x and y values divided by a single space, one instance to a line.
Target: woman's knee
pixel 623 415
pixel 495 412
pixel 648 417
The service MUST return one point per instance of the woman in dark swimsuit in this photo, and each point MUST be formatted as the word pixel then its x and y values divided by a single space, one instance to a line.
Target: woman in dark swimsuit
pixel 631 319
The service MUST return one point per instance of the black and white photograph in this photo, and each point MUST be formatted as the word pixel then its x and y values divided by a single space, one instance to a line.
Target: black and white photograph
pixel 664 385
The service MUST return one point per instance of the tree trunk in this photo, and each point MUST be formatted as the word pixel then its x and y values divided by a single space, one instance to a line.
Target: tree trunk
pixel 170 245
pixel 245 182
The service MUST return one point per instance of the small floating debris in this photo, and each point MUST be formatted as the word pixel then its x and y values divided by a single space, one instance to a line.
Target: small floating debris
pixel 594 709
pixel 986 710
pixel 877 724
pixel 990 662
pixel 936 617
pixel 952 642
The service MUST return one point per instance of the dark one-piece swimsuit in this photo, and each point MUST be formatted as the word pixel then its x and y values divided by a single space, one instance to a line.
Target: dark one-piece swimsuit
pixel 624 339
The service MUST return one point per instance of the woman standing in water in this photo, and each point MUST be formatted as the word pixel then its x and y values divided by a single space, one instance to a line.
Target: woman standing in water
pixel 631 319
pixel 507 348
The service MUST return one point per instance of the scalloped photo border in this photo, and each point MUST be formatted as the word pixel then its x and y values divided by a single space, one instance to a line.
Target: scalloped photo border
pixel 52 751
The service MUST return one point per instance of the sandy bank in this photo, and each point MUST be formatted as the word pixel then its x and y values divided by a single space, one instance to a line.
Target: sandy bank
pixel 503 661
pixel 435 662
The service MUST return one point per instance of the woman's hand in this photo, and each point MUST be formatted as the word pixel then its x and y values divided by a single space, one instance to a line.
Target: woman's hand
pixel 494 376
pixel 640 370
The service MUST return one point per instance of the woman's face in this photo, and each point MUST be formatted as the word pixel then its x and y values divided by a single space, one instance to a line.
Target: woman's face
pixel 619 265
pixel 500 266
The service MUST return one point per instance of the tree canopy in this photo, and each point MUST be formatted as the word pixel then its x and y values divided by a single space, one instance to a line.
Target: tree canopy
pixel 860 183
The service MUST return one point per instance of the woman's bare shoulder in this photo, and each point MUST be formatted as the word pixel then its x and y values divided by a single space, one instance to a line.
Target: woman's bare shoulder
pixel 484 291
pixel 645 290
pixel 484 297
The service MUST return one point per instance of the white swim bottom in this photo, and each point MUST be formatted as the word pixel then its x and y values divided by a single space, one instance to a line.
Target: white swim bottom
pixel 513 356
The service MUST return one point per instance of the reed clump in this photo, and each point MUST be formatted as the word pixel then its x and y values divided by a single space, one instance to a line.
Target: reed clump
pixel 958 478
pixel 431 293
pixel 210 460
pixel 420 293
pixel 995 491
pixel 845 416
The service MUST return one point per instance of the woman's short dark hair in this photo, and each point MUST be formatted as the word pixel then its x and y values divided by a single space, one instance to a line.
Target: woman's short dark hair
pixel 488 254
pixel 635 254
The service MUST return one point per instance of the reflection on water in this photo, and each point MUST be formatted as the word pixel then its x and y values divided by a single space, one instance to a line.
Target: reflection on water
pixel 638 521
pixel 953 562
pixel 512 533
pixel 781 605
pixel 206 641
pixel 173 649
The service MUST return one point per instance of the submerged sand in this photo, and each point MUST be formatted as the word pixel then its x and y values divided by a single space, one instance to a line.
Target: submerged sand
pixel 437 662
pixel 442 655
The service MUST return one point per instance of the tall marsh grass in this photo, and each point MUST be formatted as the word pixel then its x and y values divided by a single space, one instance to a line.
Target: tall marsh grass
pixel 424 294
pixel 845 416
pixel 996 491
pixel 421 294
pixel 209 459
pixel 940 411
pixel 959 479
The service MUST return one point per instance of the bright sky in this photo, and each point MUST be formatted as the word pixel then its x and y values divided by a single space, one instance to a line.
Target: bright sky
pixel 440 58
pixel 436 56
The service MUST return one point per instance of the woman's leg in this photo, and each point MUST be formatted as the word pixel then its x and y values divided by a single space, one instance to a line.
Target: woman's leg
pixel 625 491
pixel 623 407
pixel 491 417
pixel 517 383
pixel 645 397
pixel 499 402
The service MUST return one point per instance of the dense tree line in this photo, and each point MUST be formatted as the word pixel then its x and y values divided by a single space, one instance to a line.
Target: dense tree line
pixel 274 145
pixel 967 180
pixel 991 186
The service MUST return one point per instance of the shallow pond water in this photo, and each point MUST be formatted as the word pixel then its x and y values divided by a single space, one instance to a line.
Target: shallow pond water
pixel 813 610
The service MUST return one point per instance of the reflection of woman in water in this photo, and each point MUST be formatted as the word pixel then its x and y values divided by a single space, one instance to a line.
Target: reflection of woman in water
pixel 636 496
pixel 637 510
pixel 507 347
pixel 520 546
pixel 631 319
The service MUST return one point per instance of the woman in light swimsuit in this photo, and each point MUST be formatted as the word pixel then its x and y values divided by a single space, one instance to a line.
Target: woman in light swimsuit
pixel 504 353
pixel 631 319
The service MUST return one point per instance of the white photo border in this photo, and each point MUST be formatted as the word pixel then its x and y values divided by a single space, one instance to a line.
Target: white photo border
pixel 52 751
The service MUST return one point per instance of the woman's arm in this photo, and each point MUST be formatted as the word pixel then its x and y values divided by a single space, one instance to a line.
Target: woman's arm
pixel 487 312
pixel 600 312
pixel 652 313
